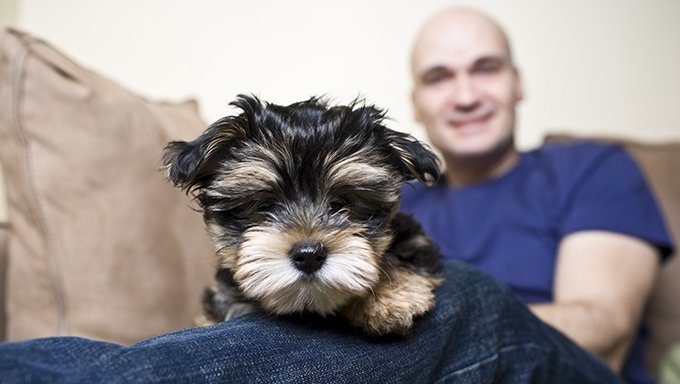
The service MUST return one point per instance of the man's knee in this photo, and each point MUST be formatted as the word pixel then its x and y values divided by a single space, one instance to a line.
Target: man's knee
pixel 469 296
pixel 472 283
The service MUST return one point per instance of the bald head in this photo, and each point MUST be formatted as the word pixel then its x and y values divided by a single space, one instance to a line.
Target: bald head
pixel 465 91
pixel 452 32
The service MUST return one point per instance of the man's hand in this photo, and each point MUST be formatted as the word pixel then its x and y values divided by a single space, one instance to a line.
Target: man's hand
pixel 602 281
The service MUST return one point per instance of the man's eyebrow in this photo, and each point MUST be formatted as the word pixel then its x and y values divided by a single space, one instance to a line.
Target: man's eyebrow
pixel 490 59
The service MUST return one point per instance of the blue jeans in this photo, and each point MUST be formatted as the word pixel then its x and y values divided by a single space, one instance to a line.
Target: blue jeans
pixel 477 333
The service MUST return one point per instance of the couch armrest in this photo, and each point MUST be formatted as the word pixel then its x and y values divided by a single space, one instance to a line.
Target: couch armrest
pixel 4 234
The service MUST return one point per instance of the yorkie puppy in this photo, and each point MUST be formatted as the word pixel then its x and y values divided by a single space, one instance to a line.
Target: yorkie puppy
pixel 301 204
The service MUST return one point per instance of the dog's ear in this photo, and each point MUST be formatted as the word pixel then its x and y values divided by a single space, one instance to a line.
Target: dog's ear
pixel 192 165
pixel 415 159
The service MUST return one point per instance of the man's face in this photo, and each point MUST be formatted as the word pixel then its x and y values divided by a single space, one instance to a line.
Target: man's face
pixel 466 87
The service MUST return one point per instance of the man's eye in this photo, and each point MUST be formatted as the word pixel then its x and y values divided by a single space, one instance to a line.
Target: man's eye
pixel 434 78
pixel 488 68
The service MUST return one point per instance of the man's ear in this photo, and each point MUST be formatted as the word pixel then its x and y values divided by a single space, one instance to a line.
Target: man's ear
pixel 415 159
pixel 416 111
pixel 191 165
pixel 519 86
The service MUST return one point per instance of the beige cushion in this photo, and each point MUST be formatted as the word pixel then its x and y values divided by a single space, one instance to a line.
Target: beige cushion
pixel 669 371
pixel 660 164
pixel 3 199
pixel 4 231
pixel 100 243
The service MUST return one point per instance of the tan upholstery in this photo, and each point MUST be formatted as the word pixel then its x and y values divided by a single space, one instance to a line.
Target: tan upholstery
pixel 4 231
pixel 100 244
pixel 3 199
pixel 661 166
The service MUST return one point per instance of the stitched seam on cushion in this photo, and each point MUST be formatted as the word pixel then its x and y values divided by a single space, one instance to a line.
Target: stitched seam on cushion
pixel 53 264
pixel 445 377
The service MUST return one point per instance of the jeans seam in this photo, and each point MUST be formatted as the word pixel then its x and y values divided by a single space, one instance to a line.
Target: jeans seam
pixel 467 368
pixel 495 356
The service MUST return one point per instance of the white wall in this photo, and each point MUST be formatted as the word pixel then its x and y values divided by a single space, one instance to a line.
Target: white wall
pixel 608 67
pixel 605 66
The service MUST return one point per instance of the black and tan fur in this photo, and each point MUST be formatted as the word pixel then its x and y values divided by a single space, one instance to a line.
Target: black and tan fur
pixel 301 204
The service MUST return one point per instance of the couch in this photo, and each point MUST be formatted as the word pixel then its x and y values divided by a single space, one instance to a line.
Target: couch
pixel 99 245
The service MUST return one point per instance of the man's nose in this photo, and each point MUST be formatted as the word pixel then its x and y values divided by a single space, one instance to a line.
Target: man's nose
pixel 465 95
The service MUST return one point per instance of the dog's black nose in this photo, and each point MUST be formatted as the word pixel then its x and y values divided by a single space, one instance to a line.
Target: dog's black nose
pixel 308 257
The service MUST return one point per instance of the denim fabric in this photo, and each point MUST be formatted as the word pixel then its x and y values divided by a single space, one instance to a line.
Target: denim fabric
pixel 478 333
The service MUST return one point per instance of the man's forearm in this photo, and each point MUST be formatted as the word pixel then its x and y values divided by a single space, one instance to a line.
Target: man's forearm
pixel 593 327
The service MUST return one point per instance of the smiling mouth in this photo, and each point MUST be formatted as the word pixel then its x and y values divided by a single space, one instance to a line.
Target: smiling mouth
pixel 470 123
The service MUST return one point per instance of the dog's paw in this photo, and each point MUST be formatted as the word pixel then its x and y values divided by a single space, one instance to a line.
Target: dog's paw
pixel 412 248
pixel 203 321
pixel 221 304
pixel 239 309
pixel 394 303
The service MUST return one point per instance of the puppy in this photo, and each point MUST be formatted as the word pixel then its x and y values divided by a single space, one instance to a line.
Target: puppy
pixel 301 204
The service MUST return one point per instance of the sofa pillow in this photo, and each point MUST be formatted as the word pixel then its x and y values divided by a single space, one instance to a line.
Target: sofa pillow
pixel 4 230
pixel 3 200
pixel 100 244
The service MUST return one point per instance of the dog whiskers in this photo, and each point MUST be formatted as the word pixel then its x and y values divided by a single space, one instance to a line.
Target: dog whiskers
pixel 387 275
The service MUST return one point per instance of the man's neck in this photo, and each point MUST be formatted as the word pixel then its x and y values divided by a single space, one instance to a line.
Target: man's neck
pixel 463 172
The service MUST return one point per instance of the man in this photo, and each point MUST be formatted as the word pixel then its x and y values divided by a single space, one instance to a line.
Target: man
pixel 572 229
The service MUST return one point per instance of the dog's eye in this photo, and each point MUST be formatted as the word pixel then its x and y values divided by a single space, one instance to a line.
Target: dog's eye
pixel 265 205
pixel 339 203
pixel 223 218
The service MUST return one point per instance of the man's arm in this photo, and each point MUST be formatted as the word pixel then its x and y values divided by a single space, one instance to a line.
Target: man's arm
pixel 602 281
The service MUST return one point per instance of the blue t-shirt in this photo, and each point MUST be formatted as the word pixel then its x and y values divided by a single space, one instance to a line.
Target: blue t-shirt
pixel 511 226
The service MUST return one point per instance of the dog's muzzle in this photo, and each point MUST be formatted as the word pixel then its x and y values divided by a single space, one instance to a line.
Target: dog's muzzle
pixel 308 257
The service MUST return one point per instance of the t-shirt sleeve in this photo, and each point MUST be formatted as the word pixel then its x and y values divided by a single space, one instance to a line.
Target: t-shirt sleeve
pixel 610 193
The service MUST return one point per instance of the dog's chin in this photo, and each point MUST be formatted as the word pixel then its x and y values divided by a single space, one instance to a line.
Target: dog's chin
pixel 265 273
pixel 307 295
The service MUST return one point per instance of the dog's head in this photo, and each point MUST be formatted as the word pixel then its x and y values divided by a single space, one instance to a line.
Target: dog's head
pixel 298 199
